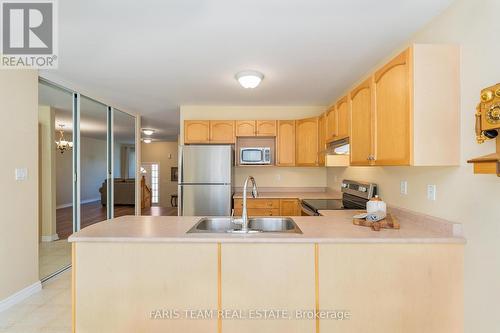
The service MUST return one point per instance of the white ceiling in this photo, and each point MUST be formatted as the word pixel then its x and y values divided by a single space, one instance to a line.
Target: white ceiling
pixel 150 56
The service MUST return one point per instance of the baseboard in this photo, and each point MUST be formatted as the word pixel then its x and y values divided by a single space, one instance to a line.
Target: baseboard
pixel 66 205
pixel 21 295
pixel 50 238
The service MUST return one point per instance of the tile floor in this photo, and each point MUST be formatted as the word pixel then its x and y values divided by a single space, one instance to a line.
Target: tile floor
pixel 48 311
pixel 53 256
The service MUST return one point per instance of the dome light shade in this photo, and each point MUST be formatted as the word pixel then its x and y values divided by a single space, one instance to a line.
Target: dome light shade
pixel 147 140
pixel 147 131
pixel 249 79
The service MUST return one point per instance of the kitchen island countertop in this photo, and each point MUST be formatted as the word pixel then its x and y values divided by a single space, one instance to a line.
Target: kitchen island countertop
pixel 335 227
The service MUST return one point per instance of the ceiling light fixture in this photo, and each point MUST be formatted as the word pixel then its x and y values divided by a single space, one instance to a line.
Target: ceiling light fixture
pixel 147 131
pixel 147 140
pixel 62 144
pixel 249 79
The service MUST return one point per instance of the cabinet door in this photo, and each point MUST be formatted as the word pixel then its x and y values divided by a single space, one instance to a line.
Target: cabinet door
pixel 268 276
pixel 245 128
pixel 331 124
pixel 321 139
pixel 306 148
pixel 266 128
pixel 286 143
pixel 342 110
pixel 221 131
pixel 392 112
pixel 289 207
pixel 196 131
pixel 361 147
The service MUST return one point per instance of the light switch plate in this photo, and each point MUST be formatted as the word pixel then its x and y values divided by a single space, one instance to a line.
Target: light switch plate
pixel 404 187
pixel 21 174
pixel 431 192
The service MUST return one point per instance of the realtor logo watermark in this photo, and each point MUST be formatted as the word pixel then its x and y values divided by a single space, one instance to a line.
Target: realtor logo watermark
pixel 29 34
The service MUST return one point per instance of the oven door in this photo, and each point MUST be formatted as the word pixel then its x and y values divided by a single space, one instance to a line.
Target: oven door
pixel 251 156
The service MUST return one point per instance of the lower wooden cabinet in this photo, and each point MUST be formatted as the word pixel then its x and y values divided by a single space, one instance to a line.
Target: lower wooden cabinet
pixel 268 207
pixel 258 277
pixel 290 207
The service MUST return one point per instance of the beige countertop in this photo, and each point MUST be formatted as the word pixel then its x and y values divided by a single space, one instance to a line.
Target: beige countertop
pixel 334 227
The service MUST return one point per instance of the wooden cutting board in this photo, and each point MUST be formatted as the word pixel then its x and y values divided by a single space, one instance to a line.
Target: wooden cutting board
pixel 390 222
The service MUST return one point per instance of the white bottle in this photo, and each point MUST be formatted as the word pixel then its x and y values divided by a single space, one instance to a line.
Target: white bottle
pixel 376 206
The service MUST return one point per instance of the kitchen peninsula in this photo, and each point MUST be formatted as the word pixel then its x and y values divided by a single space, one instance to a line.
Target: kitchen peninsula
pixel 152 273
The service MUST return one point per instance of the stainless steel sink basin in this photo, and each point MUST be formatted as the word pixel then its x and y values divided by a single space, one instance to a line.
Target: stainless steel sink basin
pixel 255 224
pixel 273 224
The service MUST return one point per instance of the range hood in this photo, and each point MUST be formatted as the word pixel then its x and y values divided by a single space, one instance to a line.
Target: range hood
pixel 337 153
pixel 338 147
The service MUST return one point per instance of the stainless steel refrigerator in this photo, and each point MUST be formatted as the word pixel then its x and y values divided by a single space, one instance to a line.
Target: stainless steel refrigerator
pixel 205 180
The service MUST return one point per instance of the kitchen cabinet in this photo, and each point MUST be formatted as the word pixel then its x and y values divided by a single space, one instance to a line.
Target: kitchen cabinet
pixel 393 114
pixel 196 131
pixel 306 147
pixel 256 128
pixel 331 124
pixel 265 128
pixel 361 143
pixel 245 127
pixel 342 110
pixel 290 207
pixel 285 143
pixel 407 112
pixel 322 140
pixel 268 207
pixel 352 276
pixel 275 276
pixel 222 131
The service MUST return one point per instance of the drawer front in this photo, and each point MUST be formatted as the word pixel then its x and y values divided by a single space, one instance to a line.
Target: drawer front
pixel 258 212
pixel 258 203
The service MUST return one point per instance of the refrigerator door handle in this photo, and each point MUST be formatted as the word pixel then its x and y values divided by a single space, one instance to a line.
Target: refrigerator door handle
pixel 180 201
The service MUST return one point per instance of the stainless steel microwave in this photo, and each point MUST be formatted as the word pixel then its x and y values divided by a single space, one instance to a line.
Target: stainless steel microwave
pixel 255 155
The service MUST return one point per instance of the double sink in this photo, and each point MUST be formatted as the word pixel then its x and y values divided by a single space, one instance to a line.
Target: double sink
pixel 255 224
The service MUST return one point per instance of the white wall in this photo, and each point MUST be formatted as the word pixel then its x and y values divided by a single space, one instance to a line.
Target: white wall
pixel 18 199
pixel 268 176
pixel 165 154
pixel 473 200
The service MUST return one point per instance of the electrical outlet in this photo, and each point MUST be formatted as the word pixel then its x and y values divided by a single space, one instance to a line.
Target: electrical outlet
pixel 278 177
pixel 404 187
pixel 431 192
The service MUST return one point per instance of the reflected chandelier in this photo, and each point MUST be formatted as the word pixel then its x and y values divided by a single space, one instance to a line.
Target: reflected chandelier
pixel 63 145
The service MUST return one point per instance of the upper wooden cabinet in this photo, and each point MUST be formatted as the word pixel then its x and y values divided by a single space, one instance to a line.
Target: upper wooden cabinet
pixel 393 114
pixel 221 131
pixel 256 128
pixel 306 147
pixel 196 131
pixel 361 143
pixel 285 143
pixel 245 127
pixel 321 139
pixel 266 128
pixel 407 112
pixel 331 124
pixel 208 131
pixel 342 110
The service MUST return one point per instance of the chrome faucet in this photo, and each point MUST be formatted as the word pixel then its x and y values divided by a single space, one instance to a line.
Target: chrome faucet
pixel 244 214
